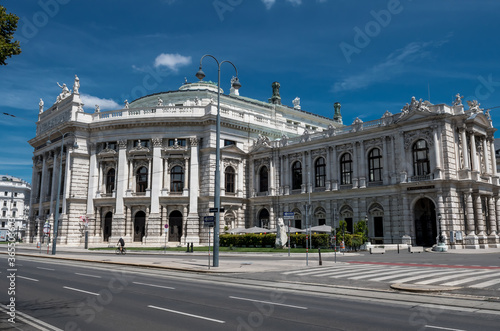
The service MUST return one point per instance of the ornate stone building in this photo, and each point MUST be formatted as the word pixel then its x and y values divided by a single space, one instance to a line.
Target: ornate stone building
pixel 152 163
pixel 14 199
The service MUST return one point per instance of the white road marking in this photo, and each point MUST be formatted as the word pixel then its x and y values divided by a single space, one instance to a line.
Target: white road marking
pixel 269 303
pixel 486 284
pixel 416 275
pixel 441 328
pixel 35 280
pixel 76 273
pixel 471 279
pixel 45 268
pixel 167 287
pixel 458 274
pixel 75 289
pixel 186 314
pixel 36 323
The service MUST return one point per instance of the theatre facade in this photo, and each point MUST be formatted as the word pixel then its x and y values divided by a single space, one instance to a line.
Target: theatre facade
pixel 422 170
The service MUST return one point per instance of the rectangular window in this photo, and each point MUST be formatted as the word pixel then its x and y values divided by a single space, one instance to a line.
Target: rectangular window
pixel 5 203
pixel 229 142
pixel 143 143
pixel 15 194
pixel 6 193
pixel 177 142
pixel 14 204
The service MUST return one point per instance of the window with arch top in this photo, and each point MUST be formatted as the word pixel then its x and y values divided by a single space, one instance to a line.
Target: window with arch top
pixel 110 180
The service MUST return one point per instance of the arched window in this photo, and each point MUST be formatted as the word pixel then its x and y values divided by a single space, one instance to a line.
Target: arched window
pixel 263 180
pixel 176 179
pixel 296 176
pixel 141 179
pixel 375 165
pixel 319 171
pixel 346 169
pixel 110 181
pixel 229 180
pixel 421 164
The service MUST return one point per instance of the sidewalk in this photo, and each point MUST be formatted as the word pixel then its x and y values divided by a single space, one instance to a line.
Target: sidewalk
pixel 196 261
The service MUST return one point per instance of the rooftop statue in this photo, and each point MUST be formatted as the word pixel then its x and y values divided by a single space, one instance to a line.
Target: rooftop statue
pixel 40 105
pixel 97 108
pixel 76 85
pixel 474 105
pixel 160 102
pixel 458 100
pixel 64 93
pixel 296 103
pixel 127 105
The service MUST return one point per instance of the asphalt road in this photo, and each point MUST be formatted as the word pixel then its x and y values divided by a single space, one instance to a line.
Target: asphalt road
pixel 77 296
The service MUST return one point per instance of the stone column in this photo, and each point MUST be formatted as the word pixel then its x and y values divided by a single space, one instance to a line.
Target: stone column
pixel 55 170
pixel 186 176
pixel 363 169
pixel 150 173
pixel 335 171
pixel 240 176
pixel 465 148
pixel 385 157
pixel 328 169
pixel 403 169
pixel 479 216
pixel 486 157
pixel 437 151
pixel 272 174
pixel 355 163
pixel 475 166
pixel 493 158
pixel 156 174
pixel 193 218
pixel 286 174
pixel 93 180
pixel 119 216
pixel 406 239
pixel 493 235
pixel 304 173
pixel 252 177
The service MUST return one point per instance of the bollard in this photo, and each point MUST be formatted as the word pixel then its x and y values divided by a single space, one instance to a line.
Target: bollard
pixel 192 247
pixel 187 250
pixel 319 251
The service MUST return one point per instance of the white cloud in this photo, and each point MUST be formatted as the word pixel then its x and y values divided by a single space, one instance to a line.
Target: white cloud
pixel 90 102
pixel 295 2
pixel 172 61
pixel 396 63
pixel 268 3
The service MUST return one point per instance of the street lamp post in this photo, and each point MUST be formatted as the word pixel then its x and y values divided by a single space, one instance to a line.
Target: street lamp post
pixel 236 85
pixel 441 245
pixel 56 219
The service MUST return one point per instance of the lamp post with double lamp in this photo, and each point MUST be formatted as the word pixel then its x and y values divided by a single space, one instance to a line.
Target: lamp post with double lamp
pixel 56 219
pixel 441 245
pixel 236 85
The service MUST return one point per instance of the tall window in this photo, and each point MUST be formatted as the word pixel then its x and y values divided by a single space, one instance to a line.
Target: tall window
pixel 110 181
pixel 421 164
pixel 346 169
pixel 375 165
pixel 296 176
pixel 141 179
pixel 49 184
pixel 229 179
pixel 319 170
pixel 176 179
pixel 263 180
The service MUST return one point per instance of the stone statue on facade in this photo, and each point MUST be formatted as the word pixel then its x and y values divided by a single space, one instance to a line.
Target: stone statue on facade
pixel 413 104
pixel 97 108
pixel 127 105
pixel 40 106
pixel 474 105
pixel 296 103
pixel 160 102
pixel 64 93
pixel 281 236
pixel 76 85
pixel 458 100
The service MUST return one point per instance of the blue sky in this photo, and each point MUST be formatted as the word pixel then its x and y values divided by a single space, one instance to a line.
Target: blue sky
pixel 369 55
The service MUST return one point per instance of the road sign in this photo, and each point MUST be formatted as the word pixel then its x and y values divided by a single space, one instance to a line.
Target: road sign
pixel 166 226
pixel 214 210
pixel 208 221
pixel 288 215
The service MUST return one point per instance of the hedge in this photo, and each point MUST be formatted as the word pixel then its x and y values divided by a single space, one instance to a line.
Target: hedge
pixel 225 240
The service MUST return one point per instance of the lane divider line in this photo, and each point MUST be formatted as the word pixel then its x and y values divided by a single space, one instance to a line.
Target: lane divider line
pixel 186 314
pixel 145 284
pixel 36 323
pixel 269 303
pixel 45 268
pixel 32 279
pixel 87 275
pixel 75 289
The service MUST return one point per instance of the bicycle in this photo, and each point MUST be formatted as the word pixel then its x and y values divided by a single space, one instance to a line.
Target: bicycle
pixel 123 251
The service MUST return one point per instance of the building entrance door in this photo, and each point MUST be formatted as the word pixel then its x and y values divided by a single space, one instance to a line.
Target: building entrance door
pixel 425 223
pixel 106 229
pixel 139 226
pixel 175 226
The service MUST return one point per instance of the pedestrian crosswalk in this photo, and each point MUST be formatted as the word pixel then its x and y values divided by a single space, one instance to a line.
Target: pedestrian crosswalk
pixel 481 278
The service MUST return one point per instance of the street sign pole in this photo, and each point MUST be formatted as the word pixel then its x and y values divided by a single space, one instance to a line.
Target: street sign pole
pixel 209 248
pixel 288 238
pixel 166 233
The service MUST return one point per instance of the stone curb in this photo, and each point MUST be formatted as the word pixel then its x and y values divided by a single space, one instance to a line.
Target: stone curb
pixel 422 288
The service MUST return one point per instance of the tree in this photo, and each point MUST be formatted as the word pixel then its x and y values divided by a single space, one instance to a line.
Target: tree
pixel 8 25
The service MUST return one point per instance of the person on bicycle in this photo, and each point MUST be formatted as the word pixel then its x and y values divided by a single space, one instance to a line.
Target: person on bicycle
pixel 121 243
